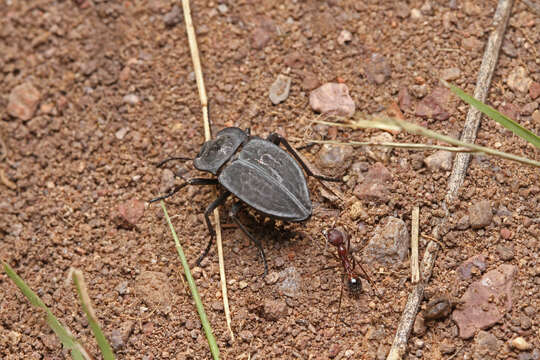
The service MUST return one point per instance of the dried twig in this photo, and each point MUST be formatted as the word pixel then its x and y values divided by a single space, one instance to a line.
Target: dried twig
pixel 458 173
pixel 207 135
pixel 491 55
pixel 413 304
pixel 415 271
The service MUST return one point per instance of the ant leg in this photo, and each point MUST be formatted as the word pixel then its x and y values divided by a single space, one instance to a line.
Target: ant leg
pixel 194 181
pixel 278 139
pixel 161 163
pixel 258 244
pixel 340 296
pixel 368 278
pixel 219 201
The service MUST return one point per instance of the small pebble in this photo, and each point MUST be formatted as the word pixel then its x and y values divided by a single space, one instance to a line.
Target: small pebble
pixel 344 37
pixel 120 134
pixel 222 8
pixel 131 99
pixel 279 91
pixel 378 69
pixel 450 74
pixel 534 90
pixel 480 214
pixel 271 278
pixel 332 98
pixel 438 308
pixel 173 17
pixel 416 14
pixel 439 160
pixel 419 91
pixel 518 80
pixel 521 344
pixel 506 233
pixel 23 101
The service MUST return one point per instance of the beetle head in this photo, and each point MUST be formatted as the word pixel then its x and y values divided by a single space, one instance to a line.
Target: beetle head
pixel 215 153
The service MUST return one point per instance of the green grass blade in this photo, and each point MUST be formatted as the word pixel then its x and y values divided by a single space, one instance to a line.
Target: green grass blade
pixel 196 297
pixel 86 305
pixel 68 340
pixel 505 121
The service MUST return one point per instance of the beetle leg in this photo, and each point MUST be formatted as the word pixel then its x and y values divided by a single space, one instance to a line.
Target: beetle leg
pixel 161 163
pixel 194 181
pixel 278 139
pixel 219 201
pixel 258 244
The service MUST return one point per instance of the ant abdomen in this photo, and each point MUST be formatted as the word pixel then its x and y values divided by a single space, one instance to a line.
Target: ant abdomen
pixel 354 285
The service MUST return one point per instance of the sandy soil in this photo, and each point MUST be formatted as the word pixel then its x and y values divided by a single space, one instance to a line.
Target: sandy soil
pixel 117 95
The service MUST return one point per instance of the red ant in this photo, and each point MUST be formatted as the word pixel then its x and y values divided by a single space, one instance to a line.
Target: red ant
pixel 354 285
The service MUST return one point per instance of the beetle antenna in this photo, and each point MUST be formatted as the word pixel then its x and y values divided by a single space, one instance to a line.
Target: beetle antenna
pixel 160 164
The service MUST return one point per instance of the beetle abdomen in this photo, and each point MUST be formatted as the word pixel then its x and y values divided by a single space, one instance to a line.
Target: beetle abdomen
pixel 267 178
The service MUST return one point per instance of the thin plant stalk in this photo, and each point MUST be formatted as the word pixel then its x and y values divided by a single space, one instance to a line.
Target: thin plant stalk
pixel 193 288
pixel 68 340
pixel 194 49
pixel 86 304
pixel 388 123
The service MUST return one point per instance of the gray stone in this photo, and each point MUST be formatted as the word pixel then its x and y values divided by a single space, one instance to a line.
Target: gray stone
pixel 390 244
pixel 279 91
pixel 334 160
pixel 378 69
pixel 518 79
pixel 486 346
pixel 379 153
pixel 439 160
pixel 292 282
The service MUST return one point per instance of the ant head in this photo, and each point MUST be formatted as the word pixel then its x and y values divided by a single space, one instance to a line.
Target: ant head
pixel 335 237
pixel 354 285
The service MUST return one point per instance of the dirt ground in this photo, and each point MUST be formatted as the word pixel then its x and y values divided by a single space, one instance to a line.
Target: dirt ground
pixel 116 94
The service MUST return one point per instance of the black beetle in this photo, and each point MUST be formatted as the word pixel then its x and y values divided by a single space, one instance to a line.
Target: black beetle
pixel 256 171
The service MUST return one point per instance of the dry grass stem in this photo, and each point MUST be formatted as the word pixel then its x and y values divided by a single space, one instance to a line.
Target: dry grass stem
pixel 415 271
pixel 194 49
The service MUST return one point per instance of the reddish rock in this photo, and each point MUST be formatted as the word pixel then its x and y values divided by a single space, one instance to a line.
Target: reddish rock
pixel 310 81
pixel 510 110
pixel 128 214
pixel 262 34
pixel 465 269
pixel 23 101
pixel 506 233
pixel 534 90
pixel 404 99
pixel 332 98
pixel 275 309
pixel 375 186
pixel 480 214
pixel 435 105
pixel 486 301
pixel 294 60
